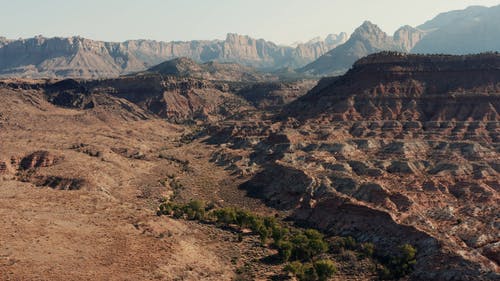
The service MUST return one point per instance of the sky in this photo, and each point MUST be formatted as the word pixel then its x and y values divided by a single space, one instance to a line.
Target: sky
pixel 280 21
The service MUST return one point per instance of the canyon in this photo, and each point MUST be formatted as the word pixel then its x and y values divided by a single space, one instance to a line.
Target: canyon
pixel 401 149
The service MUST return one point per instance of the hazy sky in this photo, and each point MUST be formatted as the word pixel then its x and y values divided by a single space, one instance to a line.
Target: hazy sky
pixel 281 21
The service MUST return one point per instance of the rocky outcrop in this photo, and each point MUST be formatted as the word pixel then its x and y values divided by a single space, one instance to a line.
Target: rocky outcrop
pixel 38 159
pixel 4 168
pixel 58 183
pixel 77 57
pixel 279 186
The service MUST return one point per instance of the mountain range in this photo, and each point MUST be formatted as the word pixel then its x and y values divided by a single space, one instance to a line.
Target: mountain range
pixel 366 39
pixel 85 58
pixel 472 30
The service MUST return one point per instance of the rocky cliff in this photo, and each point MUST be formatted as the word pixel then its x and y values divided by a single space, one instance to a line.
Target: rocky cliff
pixel 83 58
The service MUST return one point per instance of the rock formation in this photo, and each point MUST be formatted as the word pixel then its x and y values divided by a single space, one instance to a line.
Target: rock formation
pixel 473 30
pixel 78 57
pixel 401 149
pixel 366 39
pixel 408 37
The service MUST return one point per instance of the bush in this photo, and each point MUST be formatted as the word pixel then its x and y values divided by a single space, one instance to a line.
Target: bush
pixel 325 269
pixel 284 250
pixel 296 268
pixel 318 271
pixel 309 273
pixel 313 234
pixel 225 215
pixel 400 265
pixel 279 233
pixel 300 250
pixel 317 247
pixel 350 243
pixel 368 249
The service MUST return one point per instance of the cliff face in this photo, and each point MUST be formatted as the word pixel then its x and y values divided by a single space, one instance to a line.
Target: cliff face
pixel 83 58
pixel 407 37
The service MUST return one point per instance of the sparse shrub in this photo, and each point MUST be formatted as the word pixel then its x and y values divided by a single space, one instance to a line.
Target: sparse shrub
pixel 300 249
pixel 309 273
pixel 284 250
pixel 263 234
pixel 225 215
pixel 350 243
pixel 325 269
pixel 296 268
pixel 317 247
pixel 400 265
pixel 279 233
pixel 348 256
pixel 368 249
pixel 318 271
pixel 313 234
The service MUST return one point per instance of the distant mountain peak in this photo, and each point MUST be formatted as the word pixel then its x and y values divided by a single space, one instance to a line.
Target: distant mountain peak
pixel 368 38
pixel 368 30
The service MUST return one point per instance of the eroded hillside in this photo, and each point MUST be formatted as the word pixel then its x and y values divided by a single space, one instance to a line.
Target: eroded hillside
pixel 403 149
